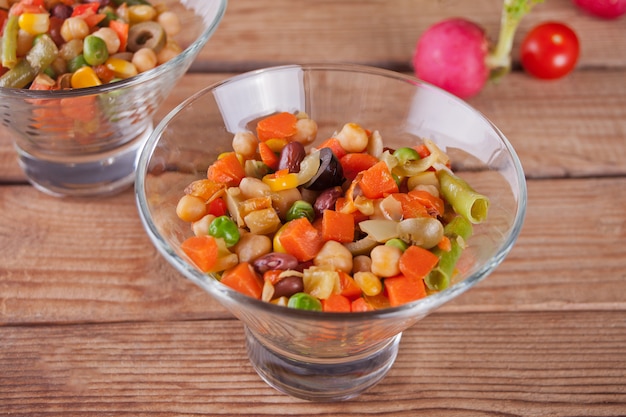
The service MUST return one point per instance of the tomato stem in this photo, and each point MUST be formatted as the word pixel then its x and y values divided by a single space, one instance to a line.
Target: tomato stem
pixel 499 59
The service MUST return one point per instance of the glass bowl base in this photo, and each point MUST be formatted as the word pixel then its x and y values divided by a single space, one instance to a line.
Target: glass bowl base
pixel 329 379
pixel 90 175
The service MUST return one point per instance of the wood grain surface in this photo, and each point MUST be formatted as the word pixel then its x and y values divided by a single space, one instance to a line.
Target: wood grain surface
pixel 93 322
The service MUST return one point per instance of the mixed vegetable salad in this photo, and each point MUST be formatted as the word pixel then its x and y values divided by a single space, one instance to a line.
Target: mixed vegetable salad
pixel 346 226
pixel 60 44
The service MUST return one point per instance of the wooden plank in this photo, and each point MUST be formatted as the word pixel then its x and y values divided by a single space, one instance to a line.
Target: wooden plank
pixel 448 365
pixel 573 127
pixel 258 33
pixel 64 260
pixel 568 258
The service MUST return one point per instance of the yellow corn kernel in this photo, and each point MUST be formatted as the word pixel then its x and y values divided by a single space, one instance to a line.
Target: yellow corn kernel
pixel 34 23
pixel 280 181
pixel 84 77
pixel 121 68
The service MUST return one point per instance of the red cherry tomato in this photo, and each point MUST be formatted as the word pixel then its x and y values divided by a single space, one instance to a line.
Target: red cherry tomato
pixel 550 50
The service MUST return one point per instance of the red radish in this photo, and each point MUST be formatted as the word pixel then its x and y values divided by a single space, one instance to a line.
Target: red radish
pixel 606 9
pixel 452 55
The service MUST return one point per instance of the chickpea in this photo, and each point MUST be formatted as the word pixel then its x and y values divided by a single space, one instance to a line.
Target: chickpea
pixel 190 208
pixel 385 260
pixel 169 22
pixel 353 138
pixel 201 227
pixel 74 28
pixel 144 59
pixel 245 144
pixel 251 247
pixel 333 254
pixel 306 131
pixel 251 187
pixel 169 51
pixel 109 37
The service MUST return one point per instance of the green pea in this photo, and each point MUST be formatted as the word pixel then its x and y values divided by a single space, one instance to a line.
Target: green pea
pixel 406 154
pixel 398 243
pixel 95 50
pixel 77 62
pixel 304 301
pixel 300 209
pixel 223 227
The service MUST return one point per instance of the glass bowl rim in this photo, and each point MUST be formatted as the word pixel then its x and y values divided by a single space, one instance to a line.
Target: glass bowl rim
pixel 191 50
pixel 218 290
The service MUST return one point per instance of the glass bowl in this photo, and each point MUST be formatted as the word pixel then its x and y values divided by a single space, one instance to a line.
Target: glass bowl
pixel 84 142
pixel 316 355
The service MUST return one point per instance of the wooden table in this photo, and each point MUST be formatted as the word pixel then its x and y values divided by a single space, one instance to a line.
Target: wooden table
pixel 94 322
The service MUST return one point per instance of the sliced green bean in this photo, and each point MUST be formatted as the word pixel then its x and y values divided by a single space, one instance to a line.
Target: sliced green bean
pixel 41 55
pixel 9 42
pixel 462 197
pixel 459 230
pixel 19 77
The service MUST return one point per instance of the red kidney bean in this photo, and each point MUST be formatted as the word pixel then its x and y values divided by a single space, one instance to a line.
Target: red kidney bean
pixel 273 261
pixel 62 11
pixel 288 286
pixel 55 30
pixel 326 200
pixel 291 156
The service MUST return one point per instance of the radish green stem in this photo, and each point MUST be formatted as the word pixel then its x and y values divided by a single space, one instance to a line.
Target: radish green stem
pixel 499 60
